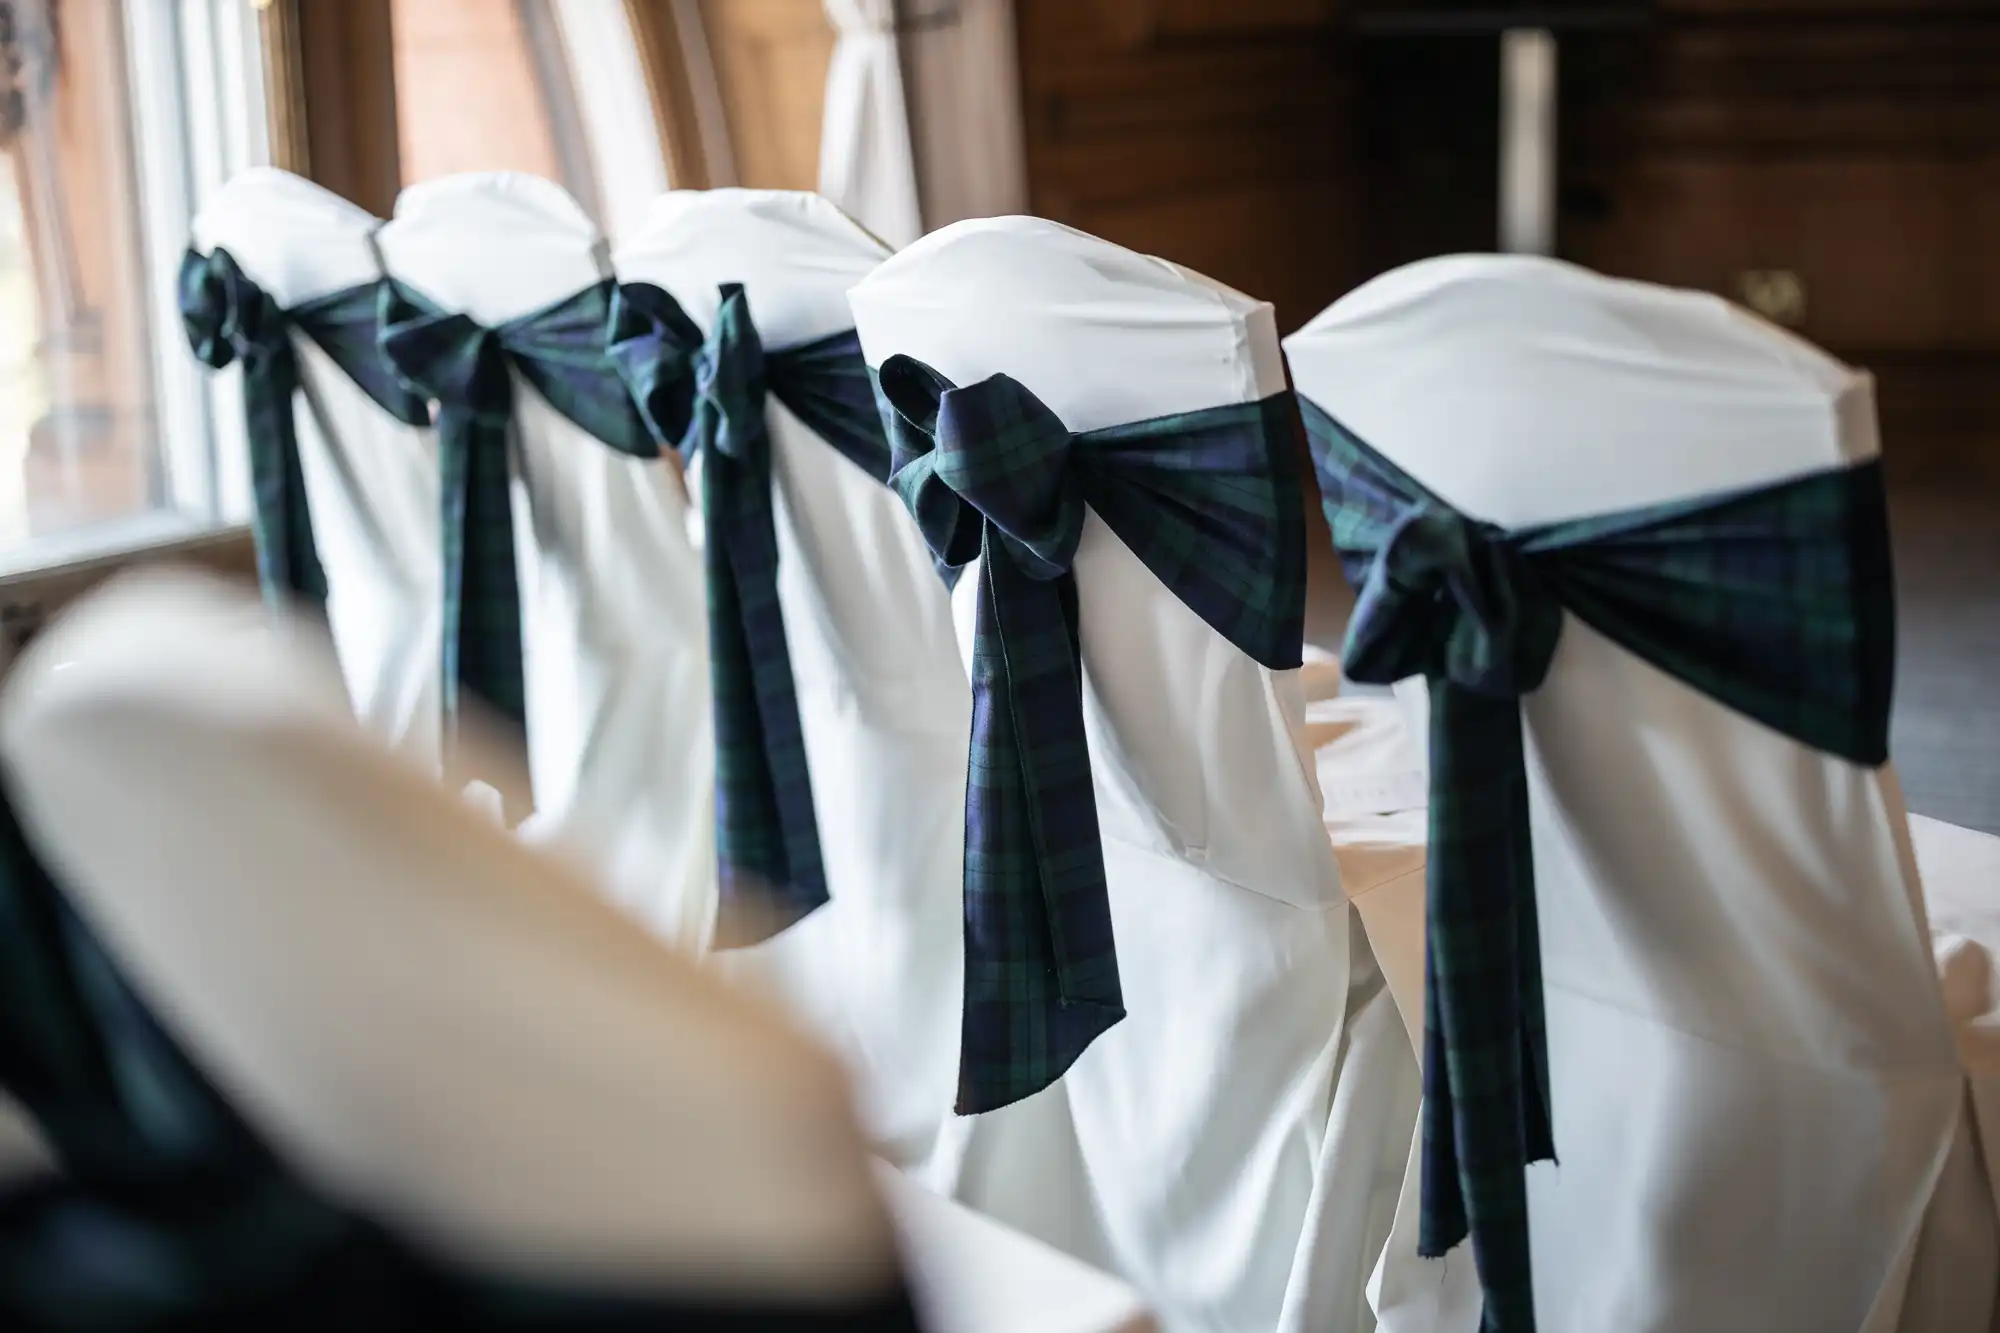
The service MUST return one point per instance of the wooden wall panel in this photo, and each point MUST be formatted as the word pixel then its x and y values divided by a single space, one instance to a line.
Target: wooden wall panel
pixel 1209 133
pixel 1853 143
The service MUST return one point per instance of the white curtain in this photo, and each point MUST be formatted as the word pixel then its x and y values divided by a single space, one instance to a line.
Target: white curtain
pixel 865 160
pixel 965 112
pixel 614 107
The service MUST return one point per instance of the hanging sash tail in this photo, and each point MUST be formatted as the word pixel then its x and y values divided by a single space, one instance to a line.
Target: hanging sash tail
pixel 1776 602
pixel 709 397
pixel 229 319
pixel 469 370
pixel 1211 502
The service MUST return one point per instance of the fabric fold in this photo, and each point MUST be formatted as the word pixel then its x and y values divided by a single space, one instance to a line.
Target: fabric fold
pixel 468 371
pixel 1210 501
pixel 1775 601
pixel 708 397
pixel 229 319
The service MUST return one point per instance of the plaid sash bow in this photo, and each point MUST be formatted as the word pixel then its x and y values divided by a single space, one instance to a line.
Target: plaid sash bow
pixel 1775 601
pixel 172 1214
pixel 1210 501
pixel 228 318
pixel 468 370
pixel 708 397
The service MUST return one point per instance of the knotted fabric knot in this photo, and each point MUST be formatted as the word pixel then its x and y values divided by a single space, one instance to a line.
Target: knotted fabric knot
pixel 454 361
pixel 1449 597
pixel 227 316
pixel 652 343
pixel 991 453
pixel 730 386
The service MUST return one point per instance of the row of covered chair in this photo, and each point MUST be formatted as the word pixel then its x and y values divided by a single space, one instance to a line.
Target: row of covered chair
pixel 968 714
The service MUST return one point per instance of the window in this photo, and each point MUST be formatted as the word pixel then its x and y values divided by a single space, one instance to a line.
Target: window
pixel 116 118
pixel 555 88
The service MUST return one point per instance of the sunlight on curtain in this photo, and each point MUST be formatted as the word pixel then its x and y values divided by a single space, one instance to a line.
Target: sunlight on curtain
pixel 615 114
pixel 866 164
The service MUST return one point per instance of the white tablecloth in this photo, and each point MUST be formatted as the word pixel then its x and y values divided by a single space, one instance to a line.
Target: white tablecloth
pixel 1961 875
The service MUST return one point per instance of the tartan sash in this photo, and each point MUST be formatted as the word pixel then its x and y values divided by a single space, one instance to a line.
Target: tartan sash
pixel 228 317
pixel 1211 502
pixel 172 1214
pixel 1775 601
pixel 708 397
pixel 468 370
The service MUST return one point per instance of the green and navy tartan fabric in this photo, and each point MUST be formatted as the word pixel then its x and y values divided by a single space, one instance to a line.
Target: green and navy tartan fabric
pixel 468 371
pixel 708 397
pixel 1211 501
pixel 229 318
pixel 171 1215
pixel 1775 601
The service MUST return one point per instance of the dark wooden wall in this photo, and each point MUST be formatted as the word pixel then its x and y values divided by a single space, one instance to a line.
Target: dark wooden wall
pixel 1211 132
pixel 1854 144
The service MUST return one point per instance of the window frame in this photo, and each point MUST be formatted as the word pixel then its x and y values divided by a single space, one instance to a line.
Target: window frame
pixel 195 71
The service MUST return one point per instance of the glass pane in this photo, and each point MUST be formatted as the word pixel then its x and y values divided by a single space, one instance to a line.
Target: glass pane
pixel 78 433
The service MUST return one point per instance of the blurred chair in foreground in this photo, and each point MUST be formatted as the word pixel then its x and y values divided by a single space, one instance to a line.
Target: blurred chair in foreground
pixel 430 1077
pixel 406 1017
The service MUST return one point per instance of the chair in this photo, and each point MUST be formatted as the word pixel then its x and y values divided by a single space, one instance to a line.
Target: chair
pixel 881 695
pixel 366 458
pixel 1755 1098
pixel 448 1030
pixel 1220 1140
pixel 592 635
pixel 433 1023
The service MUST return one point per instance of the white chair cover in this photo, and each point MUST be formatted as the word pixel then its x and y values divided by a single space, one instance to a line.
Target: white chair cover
pixel 613 613
pixel 1755 1091
pixel 1222 1146
pixel 427 1018
pixel 371 481
pixel 605 1112
pixel 883 699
